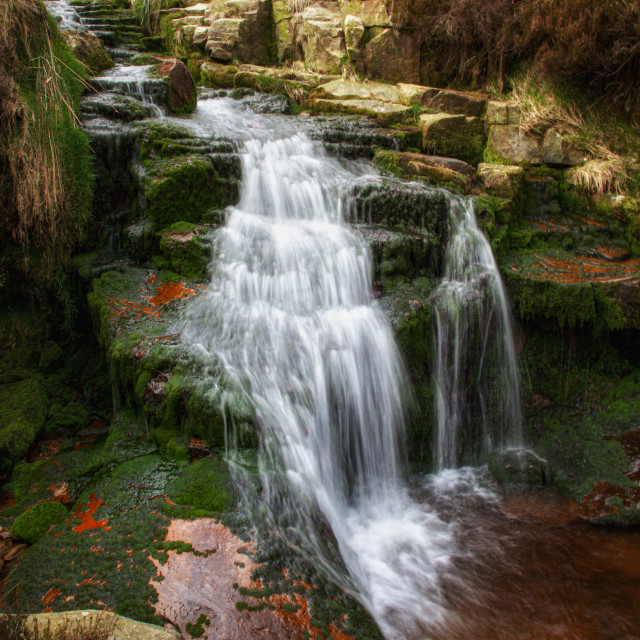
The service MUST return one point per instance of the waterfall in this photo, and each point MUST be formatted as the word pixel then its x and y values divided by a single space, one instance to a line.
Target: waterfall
pixel 475 376
pixel 290 318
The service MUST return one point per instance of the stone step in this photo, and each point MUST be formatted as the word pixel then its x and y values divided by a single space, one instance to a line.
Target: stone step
pixel 386 113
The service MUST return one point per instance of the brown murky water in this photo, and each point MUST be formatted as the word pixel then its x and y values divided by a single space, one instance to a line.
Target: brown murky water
pixel 528 568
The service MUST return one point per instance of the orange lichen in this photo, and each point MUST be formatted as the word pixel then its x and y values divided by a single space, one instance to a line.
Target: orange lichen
pixel 170 291
pixel 50 596
pixel 60 491
pixel 87 520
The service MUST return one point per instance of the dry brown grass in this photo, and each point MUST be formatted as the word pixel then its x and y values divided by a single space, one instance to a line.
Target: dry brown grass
pixel 20 627
pixel 609 171
pixel 30 128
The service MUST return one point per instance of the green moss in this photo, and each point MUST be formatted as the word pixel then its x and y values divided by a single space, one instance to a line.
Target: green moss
pixel 185 247
pixel 184 188
pixel 34 524
pixel 50 355
pixel 568 304
pixel 69 417
pixel 204 486
pixel 23 409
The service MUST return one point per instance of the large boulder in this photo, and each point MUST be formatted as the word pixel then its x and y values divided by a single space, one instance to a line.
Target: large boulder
pixel 457 102
pixel 89 50
pixel 318 38
pixel 502 181
pixel 455 136
pixel 503 112
pixel 182 89
pixel 432 169
pixel 242 31
pixel 23 410
pixel 511 143
pixel 557 150
pixel 392 55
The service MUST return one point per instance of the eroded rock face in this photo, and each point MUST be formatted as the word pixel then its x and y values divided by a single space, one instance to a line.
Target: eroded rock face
pixel 393 55
pixel 455 136
pixel 557 150
pixel 510 142
pixel 318 38
pixel 241 31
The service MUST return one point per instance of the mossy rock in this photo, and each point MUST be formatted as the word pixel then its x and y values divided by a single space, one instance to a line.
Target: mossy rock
pixel 184 189
pixel 34 523
pixel 69 417
pixel 50 355
pixel 454 136
pixel 186 248
pixel 89 50
pixel 23 409
pixel 203 485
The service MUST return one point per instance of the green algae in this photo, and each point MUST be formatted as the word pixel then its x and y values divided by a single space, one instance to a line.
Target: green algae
pixel 34 524
pixel 23 410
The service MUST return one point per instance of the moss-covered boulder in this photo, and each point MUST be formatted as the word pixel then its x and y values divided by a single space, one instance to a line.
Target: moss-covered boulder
pixel 187 249
pixel 23 410
pixel 89 50
pixel 457 102
pixel 34 523
pixel 214 74
pixel 446 172
pixel 455 136
pixel 186 188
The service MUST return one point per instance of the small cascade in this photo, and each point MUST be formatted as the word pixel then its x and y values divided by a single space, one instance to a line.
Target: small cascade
pixel 66 15
pixel 136 83
pixel 475 379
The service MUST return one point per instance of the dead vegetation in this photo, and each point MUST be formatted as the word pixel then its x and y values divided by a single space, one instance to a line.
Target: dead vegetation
pixel 38 78
pixel 19 627
pixel 593 42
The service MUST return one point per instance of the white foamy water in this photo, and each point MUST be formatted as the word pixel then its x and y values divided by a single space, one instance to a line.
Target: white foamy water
pixel 66 15
pixel 290 317
pixel 476 383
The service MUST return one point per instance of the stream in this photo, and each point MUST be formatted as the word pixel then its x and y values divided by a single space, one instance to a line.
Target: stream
pixel 290 315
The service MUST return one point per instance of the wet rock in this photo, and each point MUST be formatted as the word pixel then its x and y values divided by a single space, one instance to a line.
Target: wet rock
pixel 502 181
pixel 89 50
pixel 520 466
pixel 182 89
pixel 433 169
pixel 456 102
pixel 558 151
pixel 511 143
pixel 187 248
pixel 386 113
pixel 503 112
pixel 23 409
pixel 455 136
pixel 122 628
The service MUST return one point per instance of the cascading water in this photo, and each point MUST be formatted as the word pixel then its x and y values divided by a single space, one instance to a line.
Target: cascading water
pixel 290 318
pixel 475 377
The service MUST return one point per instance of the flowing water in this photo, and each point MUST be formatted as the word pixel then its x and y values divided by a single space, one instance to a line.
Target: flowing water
pixel 475 368
pixel 290 316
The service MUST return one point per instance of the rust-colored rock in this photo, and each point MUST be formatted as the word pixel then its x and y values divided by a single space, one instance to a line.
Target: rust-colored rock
pixel 182 89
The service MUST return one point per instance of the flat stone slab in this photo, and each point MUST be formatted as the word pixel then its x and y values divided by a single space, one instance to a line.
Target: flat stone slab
pixel 384 112
pixel 456 102
pixel 404 94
